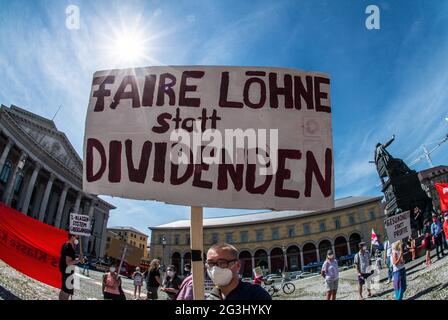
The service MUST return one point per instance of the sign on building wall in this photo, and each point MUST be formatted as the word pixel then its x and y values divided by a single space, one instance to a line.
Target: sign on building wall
pixel 229 137
pixel 80 225
pixel 398 227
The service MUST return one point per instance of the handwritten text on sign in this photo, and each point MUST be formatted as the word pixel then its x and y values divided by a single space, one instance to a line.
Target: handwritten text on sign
pixel 80 224
pixel 398 227
pixel 229 137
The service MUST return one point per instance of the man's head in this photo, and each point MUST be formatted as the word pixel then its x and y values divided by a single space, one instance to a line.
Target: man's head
pixel 187 267
pixel 362 246
pixel 330 254
pixel 73 239
pixel 222 264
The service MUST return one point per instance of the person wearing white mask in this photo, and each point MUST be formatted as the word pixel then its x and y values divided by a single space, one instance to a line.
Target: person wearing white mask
pixel 330 272
pixel 67 263
pixel 111 285
pixel 223 269
pixel 363 268
pixel 172 282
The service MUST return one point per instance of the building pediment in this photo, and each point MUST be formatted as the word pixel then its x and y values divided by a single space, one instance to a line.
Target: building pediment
pixel 45 133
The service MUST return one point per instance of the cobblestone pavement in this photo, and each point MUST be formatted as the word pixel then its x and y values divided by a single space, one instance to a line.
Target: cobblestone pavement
pixel 423 283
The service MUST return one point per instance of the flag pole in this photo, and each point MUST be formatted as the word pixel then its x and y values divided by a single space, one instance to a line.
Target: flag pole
pixel 197 265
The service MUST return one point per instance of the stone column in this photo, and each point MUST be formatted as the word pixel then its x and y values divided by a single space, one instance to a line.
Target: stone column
pixel 103 235
pixel 61 204
pixel 253 261
pixel 318 255
pixel 181 271
pixel 44 203
pixel 349 251
pixel 30 188
pixel 9 191
pixel 89 239
pixel 77 203
pixel 5 153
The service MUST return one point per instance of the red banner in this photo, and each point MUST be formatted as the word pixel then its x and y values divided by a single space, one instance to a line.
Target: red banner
pixel 30 246
pixel 442 188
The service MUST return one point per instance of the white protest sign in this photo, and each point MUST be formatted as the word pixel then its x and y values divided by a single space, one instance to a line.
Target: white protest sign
pixel 229 137
pixel 80 224
pixel 398 226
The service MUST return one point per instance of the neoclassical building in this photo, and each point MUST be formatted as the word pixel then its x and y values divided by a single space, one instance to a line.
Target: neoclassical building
pixel 41 175
pixel 294 240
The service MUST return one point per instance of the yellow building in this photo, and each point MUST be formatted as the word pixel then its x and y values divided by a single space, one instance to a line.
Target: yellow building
pixel 269 239
pixel 131 236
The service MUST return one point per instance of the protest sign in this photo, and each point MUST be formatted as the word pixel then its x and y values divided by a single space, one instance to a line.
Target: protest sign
pixel 228 137
pixel 398 227
pixel 80 224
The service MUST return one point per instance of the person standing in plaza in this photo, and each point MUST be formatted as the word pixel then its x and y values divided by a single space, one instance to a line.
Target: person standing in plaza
pixel 153 281
pixel 427 245
pixel 172 282
pixel 387 257
pixel 330 272
pixel 362 263
pixel 445 227
pixel 187 270
pixel 412 247
pixel 138 282
pixel 111 285
pixel 399 270
pixel 67 263
pixel 436 231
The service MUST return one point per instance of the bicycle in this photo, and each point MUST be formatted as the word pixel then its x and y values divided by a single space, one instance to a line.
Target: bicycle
pixel 286 286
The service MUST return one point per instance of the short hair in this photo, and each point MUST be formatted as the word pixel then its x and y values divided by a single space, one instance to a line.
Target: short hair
pixel 172 267
pixel 225 246
pixel 187 265
pixel 70 235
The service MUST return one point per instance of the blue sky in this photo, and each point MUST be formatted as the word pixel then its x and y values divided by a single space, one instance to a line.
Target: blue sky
pixel 388 81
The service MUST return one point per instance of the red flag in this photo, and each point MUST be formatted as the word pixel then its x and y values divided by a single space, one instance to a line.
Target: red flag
pixel 30 246
pixel 442 188
pixel 374 239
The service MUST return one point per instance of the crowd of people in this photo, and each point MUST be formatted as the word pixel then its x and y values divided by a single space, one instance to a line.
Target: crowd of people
pixel 222 266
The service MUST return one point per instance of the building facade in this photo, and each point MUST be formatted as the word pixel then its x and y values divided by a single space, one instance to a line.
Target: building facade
pixel 278 240
pixel 431 176
pixel 41 175
pixel 131 236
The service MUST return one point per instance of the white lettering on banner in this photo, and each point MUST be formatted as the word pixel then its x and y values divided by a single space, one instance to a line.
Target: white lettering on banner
pixel 445 190
pixel 398 227
pixel 229 137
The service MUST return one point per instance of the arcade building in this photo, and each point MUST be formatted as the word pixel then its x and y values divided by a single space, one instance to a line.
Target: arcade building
pixel 279 240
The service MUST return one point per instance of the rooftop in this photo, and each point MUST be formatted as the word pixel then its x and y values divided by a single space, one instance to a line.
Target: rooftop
pixel 268 215
pixel 128 229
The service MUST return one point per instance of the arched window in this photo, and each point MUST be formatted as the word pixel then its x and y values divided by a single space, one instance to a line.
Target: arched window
pixel 6 171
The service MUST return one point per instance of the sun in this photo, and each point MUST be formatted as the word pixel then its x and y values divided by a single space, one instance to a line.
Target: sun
pixel 128 48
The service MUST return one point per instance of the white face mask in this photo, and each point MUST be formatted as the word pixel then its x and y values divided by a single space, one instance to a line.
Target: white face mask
pixel 220 277
pixel 112 269
pixel 330 256
pixel 76 242
pixel 170 274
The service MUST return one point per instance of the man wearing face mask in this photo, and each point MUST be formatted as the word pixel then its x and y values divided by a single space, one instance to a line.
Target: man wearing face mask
pixel 362 262
pixel 67 262
pixel 223 267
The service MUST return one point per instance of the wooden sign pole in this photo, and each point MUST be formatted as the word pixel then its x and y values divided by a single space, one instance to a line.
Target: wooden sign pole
pixel 196 240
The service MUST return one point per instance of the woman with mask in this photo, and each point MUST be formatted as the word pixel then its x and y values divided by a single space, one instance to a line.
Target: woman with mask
pixel 153 280
pixel 111 285
pixel 331 274
pixel 223 269
pixel 172 282
pixel 399 270
pixel 138 282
